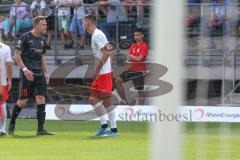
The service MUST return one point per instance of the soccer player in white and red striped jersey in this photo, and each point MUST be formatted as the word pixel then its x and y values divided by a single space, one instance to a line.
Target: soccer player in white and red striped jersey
pixel 5 83
pixel 102 85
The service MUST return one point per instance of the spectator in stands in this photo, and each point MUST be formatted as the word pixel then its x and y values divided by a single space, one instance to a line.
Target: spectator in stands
pixel 102 10
pixel 193 19
pixel 19 17
pixel 222 16
pixel 64 17
pixel 113 14
pixel 76 23
pixel 139 10
pixel 4 27
pixel 40 8
pixel 89 9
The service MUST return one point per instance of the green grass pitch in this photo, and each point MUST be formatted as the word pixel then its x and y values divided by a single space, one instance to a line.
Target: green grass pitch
pixel 74 141
pixel 207 141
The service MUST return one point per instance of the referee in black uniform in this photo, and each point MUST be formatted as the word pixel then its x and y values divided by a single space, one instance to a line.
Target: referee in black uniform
pixel 29 56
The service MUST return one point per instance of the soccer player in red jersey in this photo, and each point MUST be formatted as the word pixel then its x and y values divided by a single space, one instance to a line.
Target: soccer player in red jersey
pixel 138 53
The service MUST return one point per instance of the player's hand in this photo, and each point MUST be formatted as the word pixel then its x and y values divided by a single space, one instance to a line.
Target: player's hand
pixel 130 57
pixel 47 77
pixel 29 75
pixel 9 85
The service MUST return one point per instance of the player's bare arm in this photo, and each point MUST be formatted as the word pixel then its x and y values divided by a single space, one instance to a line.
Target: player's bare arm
pixel 45 70
pixel 18 59
pixel 106 53
pixel 9 74
pixel 110 51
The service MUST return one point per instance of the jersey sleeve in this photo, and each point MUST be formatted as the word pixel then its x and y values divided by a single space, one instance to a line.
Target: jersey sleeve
pixel 21 44
pixel 101 41
pixel 144 50
pixel 131 49
pixel 8 57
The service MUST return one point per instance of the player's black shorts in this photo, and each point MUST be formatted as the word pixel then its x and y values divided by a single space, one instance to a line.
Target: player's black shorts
pixel 136 77
pixel 50 22
pixel 28 89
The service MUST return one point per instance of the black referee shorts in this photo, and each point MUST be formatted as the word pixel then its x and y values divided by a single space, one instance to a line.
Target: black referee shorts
pixel 136 77
pixel 28 89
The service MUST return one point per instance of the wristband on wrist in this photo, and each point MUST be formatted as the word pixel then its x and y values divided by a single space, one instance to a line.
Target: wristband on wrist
pixel 24 69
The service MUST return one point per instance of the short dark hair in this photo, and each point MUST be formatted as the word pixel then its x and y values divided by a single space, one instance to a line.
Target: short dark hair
pixel 37 19
pixel 91 17
pixel 140 30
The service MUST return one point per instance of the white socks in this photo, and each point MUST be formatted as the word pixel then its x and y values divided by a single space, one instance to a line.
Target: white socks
pixel 101 113
pixel 4 118
pixel 112 116
pixel 103 119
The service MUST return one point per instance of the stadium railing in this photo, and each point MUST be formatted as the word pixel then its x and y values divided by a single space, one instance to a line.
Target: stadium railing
pixel 215 46
pixel 122 35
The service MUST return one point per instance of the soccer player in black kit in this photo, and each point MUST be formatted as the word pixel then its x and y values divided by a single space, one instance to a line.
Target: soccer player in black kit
pixel 29 56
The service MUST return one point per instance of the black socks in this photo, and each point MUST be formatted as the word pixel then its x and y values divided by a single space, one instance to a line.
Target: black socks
pixel 15 113
pixel 114 130
pixel 104 126
pixel 41 114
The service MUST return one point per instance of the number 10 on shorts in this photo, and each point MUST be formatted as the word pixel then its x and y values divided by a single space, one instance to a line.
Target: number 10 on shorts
pixel 25 92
